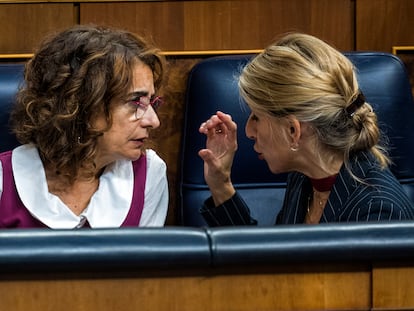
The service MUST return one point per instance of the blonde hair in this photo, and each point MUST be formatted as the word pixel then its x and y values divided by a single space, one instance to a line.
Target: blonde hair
pixel 303 76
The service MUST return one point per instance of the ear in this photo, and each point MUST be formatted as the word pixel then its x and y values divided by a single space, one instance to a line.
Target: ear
pixel 295 130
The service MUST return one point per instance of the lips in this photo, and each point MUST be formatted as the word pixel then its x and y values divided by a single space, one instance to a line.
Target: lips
pixel 139 141
pixel 259 154
pixel 142 139
pixel 256 150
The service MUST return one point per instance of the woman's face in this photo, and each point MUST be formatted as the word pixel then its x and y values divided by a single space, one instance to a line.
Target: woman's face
pixel 271 140
pixel 126 137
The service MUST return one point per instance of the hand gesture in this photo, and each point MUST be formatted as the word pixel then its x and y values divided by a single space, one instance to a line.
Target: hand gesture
pixel 221 145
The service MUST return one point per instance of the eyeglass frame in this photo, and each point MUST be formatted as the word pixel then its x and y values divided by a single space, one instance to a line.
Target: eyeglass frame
pixel 155 103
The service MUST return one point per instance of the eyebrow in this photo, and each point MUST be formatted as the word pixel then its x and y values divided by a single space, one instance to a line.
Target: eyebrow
pixel 137 94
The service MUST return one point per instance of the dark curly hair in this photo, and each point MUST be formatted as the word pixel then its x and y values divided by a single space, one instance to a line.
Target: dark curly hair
pixel 74 76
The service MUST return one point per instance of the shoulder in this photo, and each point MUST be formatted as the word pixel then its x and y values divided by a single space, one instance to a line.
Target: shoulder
pixel 364 171
pixel 379 195
pixel 5 157
pixel 363 164
pixel 154 161
pixel 6 154
pixel 375 179
pixel 156 169
pixel 19 157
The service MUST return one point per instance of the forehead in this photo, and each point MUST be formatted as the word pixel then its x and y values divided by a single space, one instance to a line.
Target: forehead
pixel 142 79
pixel 258 112
pixel 268 119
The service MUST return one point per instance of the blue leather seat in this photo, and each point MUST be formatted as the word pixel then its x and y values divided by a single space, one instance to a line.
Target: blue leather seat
pixel 105 249
pixel 11 77
pixel 183 251
pixel 212 86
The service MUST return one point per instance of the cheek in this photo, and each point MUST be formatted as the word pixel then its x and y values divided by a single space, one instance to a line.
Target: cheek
pixel 121 121
pixel 119 131
pixel 274 143
pixel 99 123
pixel 268 135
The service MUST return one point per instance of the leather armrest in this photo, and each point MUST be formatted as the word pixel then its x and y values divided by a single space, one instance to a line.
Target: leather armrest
pixel 305 243
pixel 127 249
pixel 100 249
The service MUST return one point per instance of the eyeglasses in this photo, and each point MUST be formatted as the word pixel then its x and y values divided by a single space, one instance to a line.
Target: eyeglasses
pixel 143 103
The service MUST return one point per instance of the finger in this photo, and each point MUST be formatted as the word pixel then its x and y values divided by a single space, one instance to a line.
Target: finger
pixel 207 156
pixel 228 124
pixel 213 122
pixel 227 120
pixel 210 124
pixel 203 129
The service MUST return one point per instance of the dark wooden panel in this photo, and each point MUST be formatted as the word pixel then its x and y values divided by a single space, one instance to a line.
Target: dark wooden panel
pixel 161 21
pixel 229 24
pixel 328 287
pixel 255 24
pixel 382 24
pixel 334 21
pixel 22 26
pixel 393 287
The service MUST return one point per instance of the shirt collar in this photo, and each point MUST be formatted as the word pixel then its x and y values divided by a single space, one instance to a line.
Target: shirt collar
pixel 108 206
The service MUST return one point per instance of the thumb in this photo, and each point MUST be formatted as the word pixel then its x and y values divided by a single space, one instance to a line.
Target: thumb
pixel 207 156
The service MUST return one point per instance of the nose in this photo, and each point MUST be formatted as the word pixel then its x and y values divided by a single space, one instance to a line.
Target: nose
pixel 250 129
pixel 150 118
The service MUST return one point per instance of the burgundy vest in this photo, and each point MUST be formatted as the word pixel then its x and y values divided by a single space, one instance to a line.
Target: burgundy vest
pixel 13 214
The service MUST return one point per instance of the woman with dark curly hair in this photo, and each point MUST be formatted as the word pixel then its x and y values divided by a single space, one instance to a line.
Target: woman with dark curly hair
pixel 83 117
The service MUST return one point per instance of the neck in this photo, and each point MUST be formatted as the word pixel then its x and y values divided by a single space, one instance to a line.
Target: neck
pixel 318 163
pixel 323 184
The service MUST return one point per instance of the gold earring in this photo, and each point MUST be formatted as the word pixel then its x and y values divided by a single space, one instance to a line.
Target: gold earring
pixel 294 147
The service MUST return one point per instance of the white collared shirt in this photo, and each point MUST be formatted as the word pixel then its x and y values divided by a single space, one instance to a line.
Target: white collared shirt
pixel 108 206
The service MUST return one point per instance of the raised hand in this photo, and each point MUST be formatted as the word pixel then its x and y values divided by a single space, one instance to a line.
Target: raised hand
pixel 221 145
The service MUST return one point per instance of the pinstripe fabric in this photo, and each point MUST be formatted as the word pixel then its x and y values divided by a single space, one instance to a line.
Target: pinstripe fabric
pixel 379 198
pixel 231 213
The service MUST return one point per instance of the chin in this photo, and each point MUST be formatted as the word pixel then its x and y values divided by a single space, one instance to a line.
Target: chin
pixel 133 156
pixel 274 170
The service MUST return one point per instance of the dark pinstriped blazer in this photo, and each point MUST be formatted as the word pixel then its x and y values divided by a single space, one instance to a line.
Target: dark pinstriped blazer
pixel 379 197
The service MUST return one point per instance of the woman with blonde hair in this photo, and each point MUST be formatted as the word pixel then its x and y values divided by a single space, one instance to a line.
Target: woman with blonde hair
pixel 308 118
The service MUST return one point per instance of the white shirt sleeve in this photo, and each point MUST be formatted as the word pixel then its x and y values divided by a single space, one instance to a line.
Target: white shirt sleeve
pixel 156 192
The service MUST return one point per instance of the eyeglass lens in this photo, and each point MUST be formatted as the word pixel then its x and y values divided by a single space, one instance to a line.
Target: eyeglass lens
pixel 144 103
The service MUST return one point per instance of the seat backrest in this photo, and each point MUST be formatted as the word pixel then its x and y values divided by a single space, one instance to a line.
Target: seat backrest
pixel 11 77
pixel 212 86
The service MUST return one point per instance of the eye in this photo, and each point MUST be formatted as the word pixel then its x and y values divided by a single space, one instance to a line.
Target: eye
pixel 138 98
pixel 254 117
pixel 134 104
pixel 141 102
